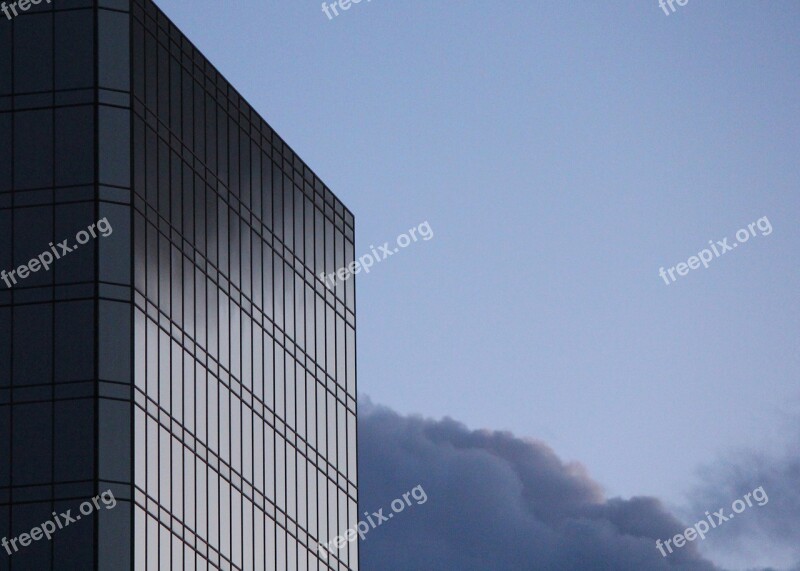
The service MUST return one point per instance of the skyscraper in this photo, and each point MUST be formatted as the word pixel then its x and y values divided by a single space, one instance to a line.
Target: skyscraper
pixel 188 359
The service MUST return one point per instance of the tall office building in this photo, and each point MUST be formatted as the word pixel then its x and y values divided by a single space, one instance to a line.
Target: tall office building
pixel 184 355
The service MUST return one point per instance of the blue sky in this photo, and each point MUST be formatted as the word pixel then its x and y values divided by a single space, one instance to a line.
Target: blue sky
pixel 562 152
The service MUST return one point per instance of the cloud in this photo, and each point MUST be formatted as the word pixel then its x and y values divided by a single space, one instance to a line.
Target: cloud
pixel 762 533
pixel 498 502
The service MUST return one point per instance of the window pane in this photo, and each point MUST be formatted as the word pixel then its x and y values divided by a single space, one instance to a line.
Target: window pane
pixel 115 535
pixel 74 145
pixel 114 66
pixel 73 546
pixel 78 265
pixel 33 53
pixel 115 158
pixel 33 144
pixel 115 245
pixel 115 440
pixel 33 344
pixel 74 51
pixel 32 444
pixel 37 554
pixel 5 60
pixel 5 147
pixel 75 341
pixel 33 231
pixel 74 440
pixel 115 341
pixel 5 445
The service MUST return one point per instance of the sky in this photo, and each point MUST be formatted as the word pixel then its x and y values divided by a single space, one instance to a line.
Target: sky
pixel 562 153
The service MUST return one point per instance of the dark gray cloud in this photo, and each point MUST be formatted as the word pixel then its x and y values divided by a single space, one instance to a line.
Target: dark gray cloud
pixel 498 502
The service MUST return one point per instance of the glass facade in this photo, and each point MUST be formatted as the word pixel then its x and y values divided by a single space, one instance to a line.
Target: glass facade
pixel 192 361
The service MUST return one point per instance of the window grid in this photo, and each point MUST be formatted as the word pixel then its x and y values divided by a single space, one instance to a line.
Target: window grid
pixel 245 383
